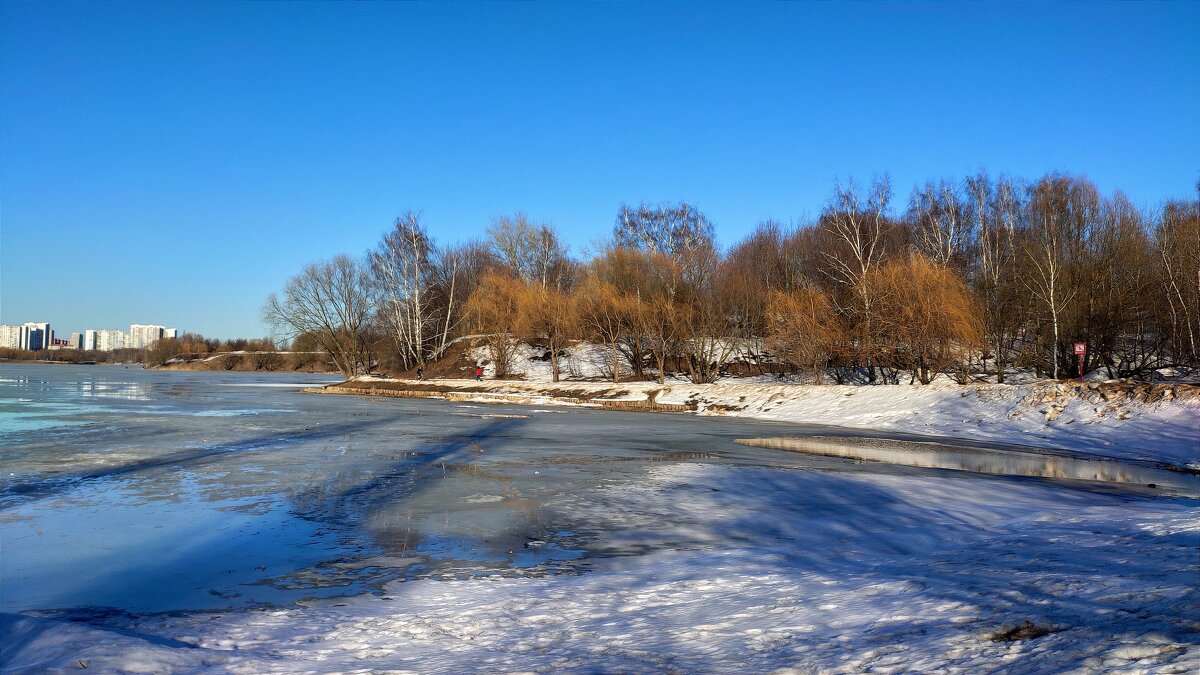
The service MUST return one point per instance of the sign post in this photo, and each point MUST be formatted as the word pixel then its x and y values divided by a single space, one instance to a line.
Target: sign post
pixel 1080 351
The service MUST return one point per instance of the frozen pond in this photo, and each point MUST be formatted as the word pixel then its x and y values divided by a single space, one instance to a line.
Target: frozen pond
pixel 1009 462
pixel 191 521
pixel 146 491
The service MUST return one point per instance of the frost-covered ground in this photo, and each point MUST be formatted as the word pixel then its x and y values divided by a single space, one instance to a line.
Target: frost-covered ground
pixel 774 570
pixel 164 522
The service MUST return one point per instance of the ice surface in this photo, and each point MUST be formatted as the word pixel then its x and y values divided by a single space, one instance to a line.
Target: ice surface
pixel 1010 462
pixel 1042 415
pixel 341 534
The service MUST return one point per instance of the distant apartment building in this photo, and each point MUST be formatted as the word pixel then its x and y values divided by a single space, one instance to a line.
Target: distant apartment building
pixel 76 341
pixel 35 336
pixel 172 333
pixel 110 340
pixel 104 340
pixel 10 336
pixel 143 335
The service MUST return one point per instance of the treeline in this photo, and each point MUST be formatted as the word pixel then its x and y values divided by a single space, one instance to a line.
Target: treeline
pixel 194 346
pixel 975 276
pixel 189 347
pixel 128 355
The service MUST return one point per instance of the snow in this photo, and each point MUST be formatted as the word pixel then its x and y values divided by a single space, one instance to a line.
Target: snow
pixel 1034 415
pixel 693 554
pixel 1024 411
pixel 583 361
pixel 1045 415
pixel 790 571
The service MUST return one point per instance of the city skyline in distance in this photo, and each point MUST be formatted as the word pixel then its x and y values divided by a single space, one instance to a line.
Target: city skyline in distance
pixel 42 335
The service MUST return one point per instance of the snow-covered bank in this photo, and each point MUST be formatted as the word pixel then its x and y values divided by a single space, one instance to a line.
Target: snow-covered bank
pixel 774 571
pixel 1160 423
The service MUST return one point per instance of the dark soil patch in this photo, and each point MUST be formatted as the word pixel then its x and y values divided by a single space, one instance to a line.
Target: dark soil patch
pixel 455 363
pixel 1026 631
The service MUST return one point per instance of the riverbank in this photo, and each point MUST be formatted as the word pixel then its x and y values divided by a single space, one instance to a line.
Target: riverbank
pixel 1130 421
pixel 312 363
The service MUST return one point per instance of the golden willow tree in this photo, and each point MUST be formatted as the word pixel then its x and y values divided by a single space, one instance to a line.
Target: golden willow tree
pixel 804 327
pixel 495 309
pixel 927 320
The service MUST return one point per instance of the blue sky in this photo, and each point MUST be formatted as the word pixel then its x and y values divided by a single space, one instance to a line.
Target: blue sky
pixel 175 162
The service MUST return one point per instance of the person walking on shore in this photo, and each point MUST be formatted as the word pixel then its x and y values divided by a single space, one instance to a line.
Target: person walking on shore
pixel 420 373
pixel 479 373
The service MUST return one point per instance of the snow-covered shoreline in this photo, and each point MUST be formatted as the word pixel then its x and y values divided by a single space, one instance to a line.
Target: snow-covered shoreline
pixel 1158 424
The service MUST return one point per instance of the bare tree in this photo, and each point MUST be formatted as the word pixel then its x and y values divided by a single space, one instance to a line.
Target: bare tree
pixel 532 252
pixel 457 272
pixel 943 231
pixel 551 317
pixel 753 269
pixel 1120 279
pixel 328 301
pixel 928 319
pixel 673 231
pixel 401 270
pixel 1177 247
pixel 996 212
pixel 1046 248
pixel 606 313
pixel 704 317
pixel 857 227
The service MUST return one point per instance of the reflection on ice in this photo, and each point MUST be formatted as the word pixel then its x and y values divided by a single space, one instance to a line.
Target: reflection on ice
pixel 126 391
pixel 106 545
pixel 12 422
pixel 1013 463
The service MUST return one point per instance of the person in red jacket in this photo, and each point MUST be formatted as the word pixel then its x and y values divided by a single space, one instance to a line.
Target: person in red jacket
pixel 479 373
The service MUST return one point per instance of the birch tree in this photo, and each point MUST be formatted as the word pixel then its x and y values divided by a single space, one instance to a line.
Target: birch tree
pixel 856 226
pixel 1046 250
pixel 1177 248
pixel 401 269
pixel 995 211
pixel 943 231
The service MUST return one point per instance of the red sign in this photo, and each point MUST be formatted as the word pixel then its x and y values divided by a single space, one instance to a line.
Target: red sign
pixel 1081 348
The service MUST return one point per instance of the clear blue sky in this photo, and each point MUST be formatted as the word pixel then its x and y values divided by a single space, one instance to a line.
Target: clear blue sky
pixel 174 162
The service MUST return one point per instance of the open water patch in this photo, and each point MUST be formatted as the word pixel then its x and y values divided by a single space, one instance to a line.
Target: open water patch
pixel 990 461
